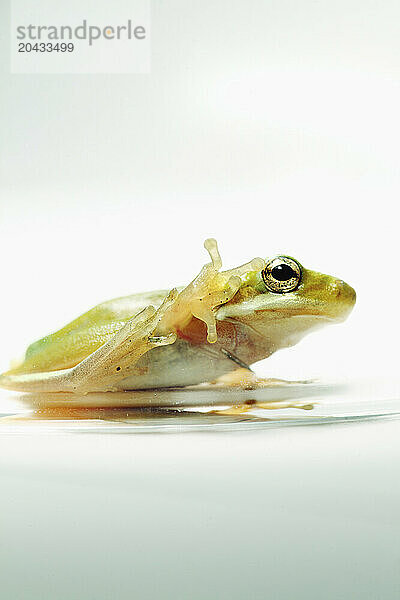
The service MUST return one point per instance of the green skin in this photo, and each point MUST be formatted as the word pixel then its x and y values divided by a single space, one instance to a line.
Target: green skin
pixel 252 325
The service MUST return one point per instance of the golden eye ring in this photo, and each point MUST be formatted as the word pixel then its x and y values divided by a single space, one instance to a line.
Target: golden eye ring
pixel 281 274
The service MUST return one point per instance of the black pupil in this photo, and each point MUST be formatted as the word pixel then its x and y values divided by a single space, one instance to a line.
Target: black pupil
pixel 283 272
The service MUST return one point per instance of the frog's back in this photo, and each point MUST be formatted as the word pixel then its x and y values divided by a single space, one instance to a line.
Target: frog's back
pixel 66 347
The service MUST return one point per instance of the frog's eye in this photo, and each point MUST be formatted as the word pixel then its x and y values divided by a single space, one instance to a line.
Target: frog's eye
pixel 281 274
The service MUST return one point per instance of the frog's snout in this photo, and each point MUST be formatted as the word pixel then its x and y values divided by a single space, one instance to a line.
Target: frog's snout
pixel 344 297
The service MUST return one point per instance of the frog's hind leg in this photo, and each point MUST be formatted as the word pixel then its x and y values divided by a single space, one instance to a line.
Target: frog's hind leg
pixel 108 365
pixel 113 361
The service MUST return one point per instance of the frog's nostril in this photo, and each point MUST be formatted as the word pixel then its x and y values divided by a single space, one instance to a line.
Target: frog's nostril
pixel 343 290
pixel 340 284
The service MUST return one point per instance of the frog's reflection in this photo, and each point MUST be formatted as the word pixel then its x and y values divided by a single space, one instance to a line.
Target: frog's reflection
pixel 146 414
pixel 200 404
pixel 111 414
pixel 281 395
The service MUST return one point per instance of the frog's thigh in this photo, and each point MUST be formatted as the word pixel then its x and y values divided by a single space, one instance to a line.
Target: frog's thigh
pixel 108 365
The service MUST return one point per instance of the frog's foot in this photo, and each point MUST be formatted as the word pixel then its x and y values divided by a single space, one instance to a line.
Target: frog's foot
pixel 241 409
pixel 209 290
pixel 247 380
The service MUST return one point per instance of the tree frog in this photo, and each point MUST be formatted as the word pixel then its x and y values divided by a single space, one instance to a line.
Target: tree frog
pixel 215 327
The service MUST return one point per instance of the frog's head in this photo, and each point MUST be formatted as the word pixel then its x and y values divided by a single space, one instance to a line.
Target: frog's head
pixel 284 301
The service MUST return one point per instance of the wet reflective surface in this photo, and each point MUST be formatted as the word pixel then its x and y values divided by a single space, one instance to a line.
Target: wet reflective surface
pixel 201 408
pixel 295 496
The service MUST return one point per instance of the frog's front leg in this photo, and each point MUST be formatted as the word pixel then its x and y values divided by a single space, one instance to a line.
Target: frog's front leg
pixel 202 308
pixel 207 291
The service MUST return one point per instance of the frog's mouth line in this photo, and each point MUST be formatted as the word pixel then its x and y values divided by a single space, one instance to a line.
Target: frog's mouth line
pixel 279 314
pixel 299 313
